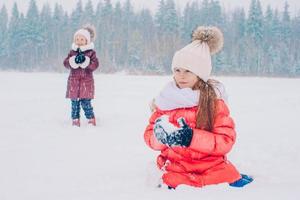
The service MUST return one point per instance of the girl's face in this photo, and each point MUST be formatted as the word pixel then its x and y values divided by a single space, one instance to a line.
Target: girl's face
pixel 80 40
pixel 184 78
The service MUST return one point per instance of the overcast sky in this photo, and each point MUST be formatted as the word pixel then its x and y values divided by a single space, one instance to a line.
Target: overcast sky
pixel 69 5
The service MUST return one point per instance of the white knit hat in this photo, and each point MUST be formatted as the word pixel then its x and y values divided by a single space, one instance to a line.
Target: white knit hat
pixel 85 33
pixel 196 56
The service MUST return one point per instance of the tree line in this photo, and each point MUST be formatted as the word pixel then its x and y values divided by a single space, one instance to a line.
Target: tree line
pixel 257 42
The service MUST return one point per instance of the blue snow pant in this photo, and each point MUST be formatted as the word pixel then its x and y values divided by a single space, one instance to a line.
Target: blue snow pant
pixel 86 106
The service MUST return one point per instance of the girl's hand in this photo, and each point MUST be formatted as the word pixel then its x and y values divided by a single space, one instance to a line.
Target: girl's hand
pixel 72 63
pixel 168 134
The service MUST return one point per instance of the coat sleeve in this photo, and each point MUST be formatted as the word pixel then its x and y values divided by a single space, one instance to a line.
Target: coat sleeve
pixel 66 61
pixel 149 137
pixel 94 63
pixel 221 139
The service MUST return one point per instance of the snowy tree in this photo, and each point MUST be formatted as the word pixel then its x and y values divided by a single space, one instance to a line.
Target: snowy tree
pixel 128 28
pixel 32 36
pixel 191 19
pixel 268 23
pixel 46 45
pixel 3 36
pixel 88 13
pixel 255 37
pixel 76 16
pixel 147 29
pixel 14 38
pixel 205 12
pixel 215 13
pixel 171 18
pixel 239 23
pixel 97 22
pixel 276 27
pixel 160 15
pixel 255 44
pixel 255 22
pixel 57 21
pixel 235 38
pixel 104 28
pixel 286 24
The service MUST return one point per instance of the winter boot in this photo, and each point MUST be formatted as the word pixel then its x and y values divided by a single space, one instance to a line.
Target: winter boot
pixel 76 122
pixel 92 121
pixel 242 181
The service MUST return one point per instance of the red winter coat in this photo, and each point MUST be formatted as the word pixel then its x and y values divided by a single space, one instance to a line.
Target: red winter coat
pixel 81 81
pixel 204 162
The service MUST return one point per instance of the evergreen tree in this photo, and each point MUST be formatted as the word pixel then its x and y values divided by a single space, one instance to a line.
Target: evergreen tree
pixel 57 38
pixel 256 44
pixel 3 36
pixel 14 38
pixel 268 23
pixel 117 57
pixel 186 22
pixel 215 13
pixel 255 34
pixel 160 16
pixel 204 12
pixel 171 19
pixel 255 22
pixel 76 16
pixel 32 36
pixel 286 24
pixel 97 21
pixel 46 34
pixel 239 23
pixel 191 19
pixel 128 28
pixel 276 27
pixel 106 39
pixel 147 29
pixel 88 13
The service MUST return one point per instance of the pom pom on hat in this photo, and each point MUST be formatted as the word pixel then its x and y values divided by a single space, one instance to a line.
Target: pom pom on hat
pixel 211 35
pixel 91 29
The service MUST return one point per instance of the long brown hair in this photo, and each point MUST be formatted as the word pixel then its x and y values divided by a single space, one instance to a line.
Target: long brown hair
pixel 206 107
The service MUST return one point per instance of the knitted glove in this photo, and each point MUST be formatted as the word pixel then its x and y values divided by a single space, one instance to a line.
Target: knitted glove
pixel 168 134
pixel 163 128
pixel 182 136
pixel 80 58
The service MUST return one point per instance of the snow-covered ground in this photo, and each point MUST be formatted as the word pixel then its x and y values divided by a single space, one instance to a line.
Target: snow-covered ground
pixel 42 157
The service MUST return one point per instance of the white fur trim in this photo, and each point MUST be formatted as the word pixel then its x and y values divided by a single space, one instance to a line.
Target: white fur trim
pixel 172 97
pixel 73 63
pixel 89 46
pixel 85 33
pixel 86 62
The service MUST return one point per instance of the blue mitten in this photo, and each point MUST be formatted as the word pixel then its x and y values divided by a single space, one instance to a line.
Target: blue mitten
pixel 163 128
pixel 182 136
pixel 167 133
pixel 80 58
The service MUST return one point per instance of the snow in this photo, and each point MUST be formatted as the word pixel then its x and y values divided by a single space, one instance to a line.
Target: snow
pixel 43 157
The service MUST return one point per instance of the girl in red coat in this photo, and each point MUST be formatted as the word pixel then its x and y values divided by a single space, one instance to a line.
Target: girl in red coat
pixel 82 61
pixel 191 125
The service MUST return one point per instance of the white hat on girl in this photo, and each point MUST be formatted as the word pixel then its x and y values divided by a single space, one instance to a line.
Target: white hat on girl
pixel 88 31
pixel 196 56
